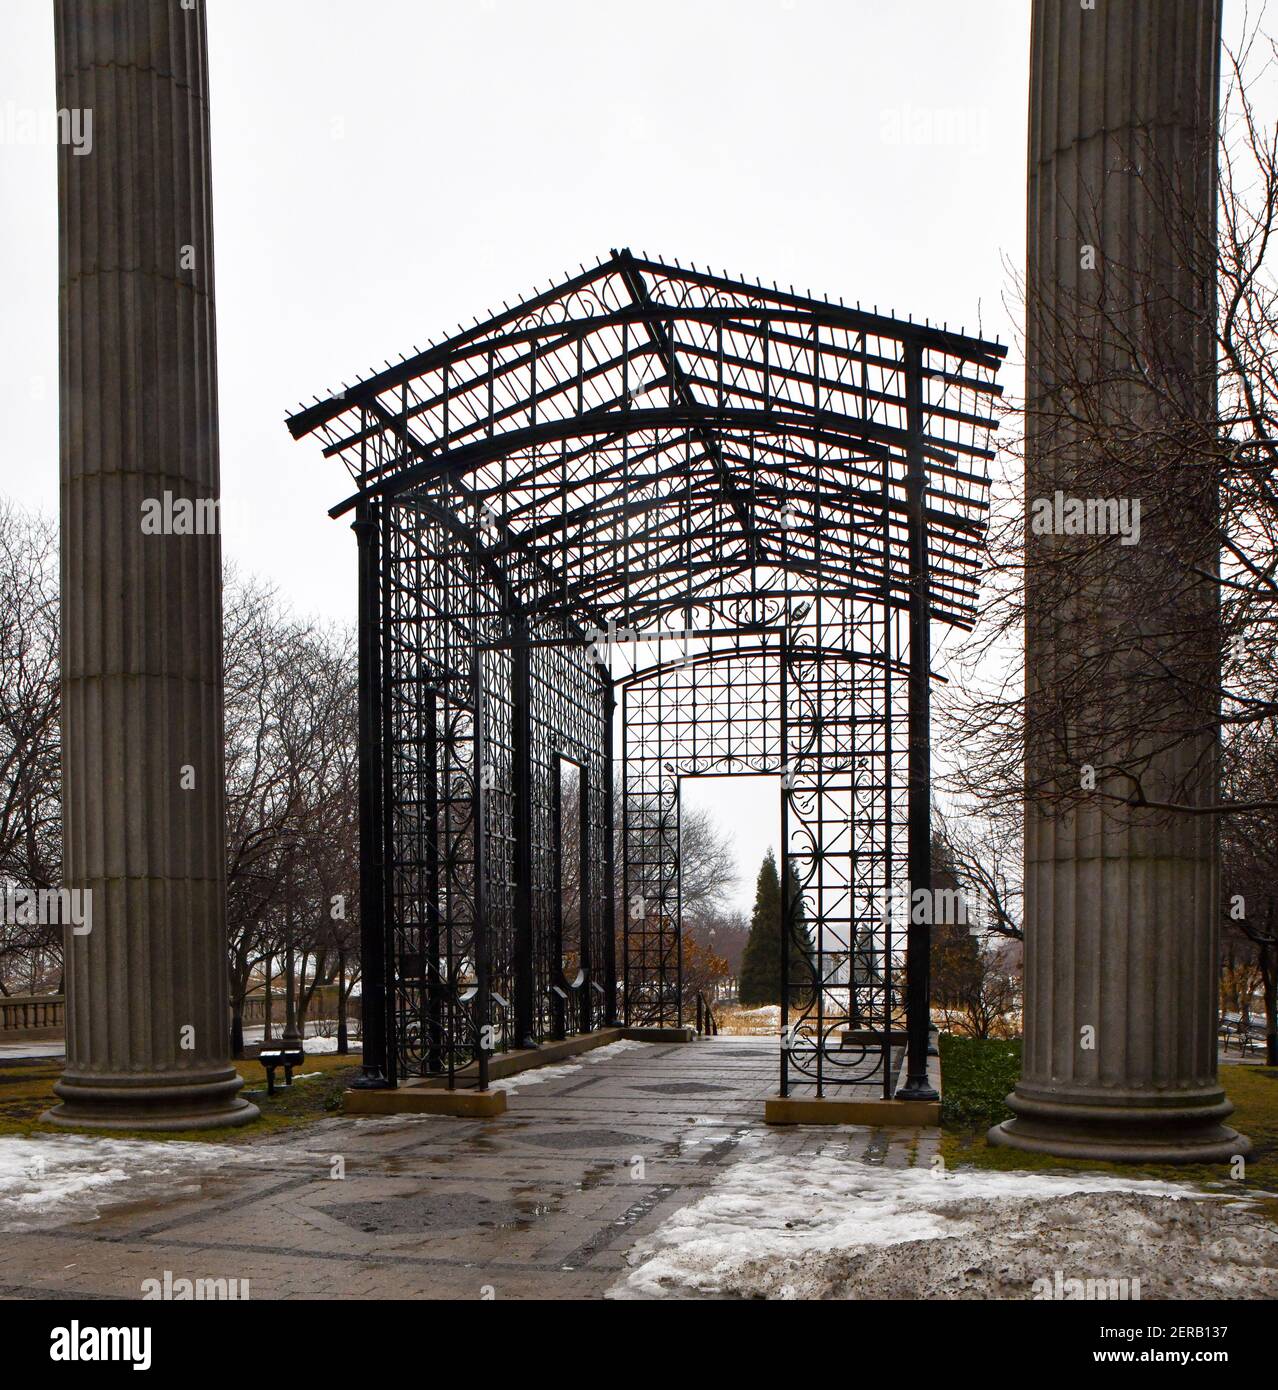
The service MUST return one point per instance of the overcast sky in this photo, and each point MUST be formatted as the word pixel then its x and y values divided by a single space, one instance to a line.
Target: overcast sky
pixel 385 168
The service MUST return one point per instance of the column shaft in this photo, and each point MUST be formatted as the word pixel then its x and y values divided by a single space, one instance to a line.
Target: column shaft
pixel 147 1022
pixel 1122 641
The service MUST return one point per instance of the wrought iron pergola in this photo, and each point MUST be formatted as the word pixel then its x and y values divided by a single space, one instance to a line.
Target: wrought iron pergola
pixel 734 509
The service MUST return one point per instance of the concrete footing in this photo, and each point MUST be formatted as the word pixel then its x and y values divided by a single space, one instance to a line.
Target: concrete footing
pixel 686 1034
pixel 848 1109
pixel 425 1100
pixel 830 1110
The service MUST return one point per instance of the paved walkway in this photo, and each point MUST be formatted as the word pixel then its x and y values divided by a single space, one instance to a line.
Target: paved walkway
pixel 541 1202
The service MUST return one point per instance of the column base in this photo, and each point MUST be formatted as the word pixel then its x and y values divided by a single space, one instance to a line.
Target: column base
pixel 1122 1134
pixel 176 1101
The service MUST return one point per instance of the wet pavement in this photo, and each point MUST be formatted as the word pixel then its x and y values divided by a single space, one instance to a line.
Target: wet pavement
pixel 542 1202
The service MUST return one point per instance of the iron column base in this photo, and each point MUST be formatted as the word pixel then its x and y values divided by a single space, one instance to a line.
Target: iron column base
pixel 370 1079
pixel 916 1089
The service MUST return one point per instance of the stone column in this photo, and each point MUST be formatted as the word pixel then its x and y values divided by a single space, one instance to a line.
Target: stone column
pixel 142 758
pixel 1121 901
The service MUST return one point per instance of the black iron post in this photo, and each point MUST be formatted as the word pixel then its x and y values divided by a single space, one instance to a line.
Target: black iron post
pixel 521 747
pixel 787 775
pixel 436 1005
pixel 626 885
pixel 558 997
pixel 585 1007
pixel 483 1010
pixel 610 868
pixel 343 1036
pixel 918 941
pixel 384 793
pixel 372 944
pixel 292 1038
pixel 678 922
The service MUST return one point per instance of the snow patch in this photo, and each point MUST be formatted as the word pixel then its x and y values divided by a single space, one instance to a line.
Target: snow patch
pixel 312 1043
pixel 49 1180
pixel 376 1122
pixel 793 1227
pixel 601 1054
pixel 533 1077
pixel 315 1047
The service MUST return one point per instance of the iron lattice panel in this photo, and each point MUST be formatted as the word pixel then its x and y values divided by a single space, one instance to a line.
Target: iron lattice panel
pixel 449 666
pixel 819 711
pixel 707 713
pixel 640 446
pixel 572 697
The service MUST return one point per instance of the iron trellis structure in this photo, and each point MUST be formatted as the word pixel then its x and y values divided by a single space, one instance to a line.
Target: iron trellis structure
pixel 726 513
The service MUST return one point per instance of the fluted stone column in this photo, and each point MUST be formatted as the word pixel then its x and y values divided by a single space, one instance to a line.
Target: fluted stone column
pixel 142 759
pixel 1121 902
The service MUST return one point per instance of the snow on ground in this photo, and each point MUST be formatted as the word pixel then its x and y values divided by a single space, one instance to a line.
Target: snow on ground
pixel 823 1227
pixel 312 1043
pixel 376 1122
pixel 602 1054
pixel 536 1075
pixel 314 1047
pixel 54 1047
pixel 380 1122
pixel 48 1180
pixel 533 1077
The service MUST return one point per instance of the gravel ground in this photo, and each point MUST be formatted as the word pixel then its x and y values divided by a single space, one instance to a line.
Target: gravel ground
pixel 1174 1248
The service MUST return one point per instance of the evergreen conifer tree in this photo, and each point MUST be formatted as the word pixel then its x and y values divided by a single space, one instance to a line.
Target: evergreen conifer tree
pixel 760 981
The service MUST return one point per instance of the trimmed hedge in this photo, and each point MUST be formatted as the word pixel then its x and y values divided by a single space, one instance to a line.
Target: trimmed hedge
pixel 976 1075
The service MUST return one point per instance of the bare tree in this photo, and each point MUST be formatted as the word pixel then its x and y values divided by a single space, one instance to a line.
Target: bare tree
pixel 981 853
pixel 1249 859
pixel 707 864
pixel 30 750
pixel 1131 716
pixel 292 844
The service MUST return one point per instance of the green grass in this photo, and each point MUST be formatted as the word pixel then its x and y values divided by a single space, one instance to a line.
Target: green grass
pixel 26 1091
pixel 977 1074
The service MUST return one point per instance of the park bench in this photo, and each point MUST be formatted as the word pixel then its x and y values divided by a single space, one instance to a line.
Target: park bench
pixel 288 1058
pixel 1246 1038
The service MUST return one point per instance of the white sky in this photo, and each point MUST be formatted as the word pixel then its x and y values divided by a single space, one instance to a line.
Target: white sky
pixel 386 168
pixel 751 806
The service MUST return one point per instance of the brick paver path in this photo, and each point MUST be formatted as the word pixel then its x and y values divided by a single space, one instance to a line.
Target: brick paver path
pixel 544 1201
